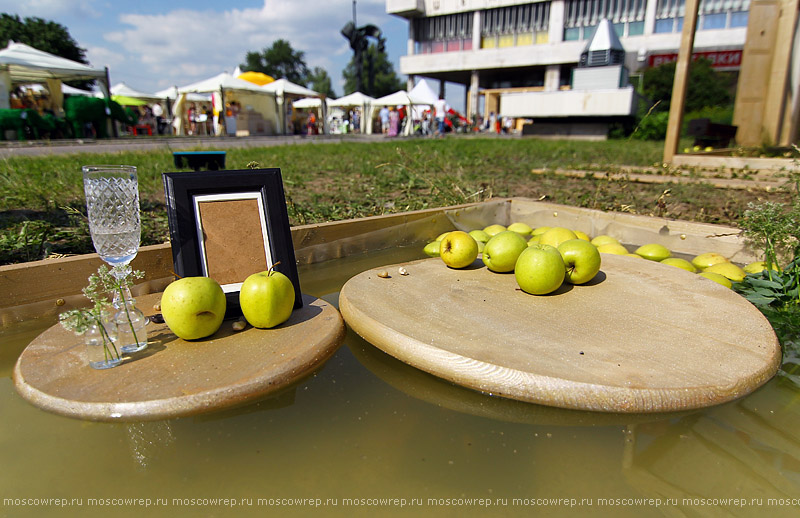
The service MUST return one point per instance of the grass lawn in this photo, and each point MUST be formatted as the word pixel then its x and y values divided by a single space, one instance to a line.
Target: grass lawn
pixel 42 207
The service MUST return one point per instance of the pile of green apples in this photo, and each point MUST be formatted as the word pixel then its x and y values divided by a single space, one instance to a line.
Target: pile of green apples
pixel 543 258
pixel 194 307
pixel 541 263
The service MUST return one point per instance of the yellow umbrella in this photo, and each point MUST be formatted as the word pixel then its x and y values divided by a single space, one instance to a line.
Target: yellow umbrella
pixel 257 78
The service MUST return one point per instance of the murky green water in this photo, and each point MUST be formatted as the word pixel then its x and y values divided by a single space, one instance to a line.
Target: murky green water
pixel 367 434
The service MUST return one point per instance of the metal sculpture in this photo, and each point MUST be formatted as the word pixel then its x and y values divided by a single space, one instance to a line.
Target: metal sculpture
pixel 359 43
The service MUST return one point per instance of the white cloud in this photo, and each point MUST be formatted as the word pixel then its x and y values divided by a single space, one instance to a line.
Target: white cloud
pixel 49 9
pixel 183 45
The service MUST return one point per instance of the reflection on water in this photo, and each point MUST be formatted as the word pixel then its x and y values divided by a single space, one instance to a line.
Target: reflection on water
pixel 366 426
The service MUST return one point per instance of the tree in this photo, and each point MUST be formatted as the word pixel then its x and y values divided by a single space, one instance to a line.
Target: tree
pixel 43 35
pixel 279 61
pixel 706 87
pixel 386 80
pixel 319 81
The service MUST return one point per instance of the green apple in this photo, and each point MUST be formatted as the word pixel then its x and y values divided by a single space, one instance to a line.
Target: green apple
pixel 557 235
pixel 716 277
pixel 534 240
pixel 267 299
pixel 759 266
pixel 538 231
pixel 540 269
pixel 604 240
pixel 637 256
pixel 581 259
pixel 612 248
pixel 479 235
pixel 729 270
pixel 458 249
pixel 441 236
pixel 432 248
pixel 501 252
pixel 703 261
pixel 193 307
pixel 520 228
pixel 679 263
pixel 653 251
pixel 582 235
pixel 494 229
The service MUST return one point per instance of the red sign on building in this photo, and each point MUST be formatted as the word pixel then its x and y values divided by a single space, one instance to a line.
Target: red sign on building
pixel 721 59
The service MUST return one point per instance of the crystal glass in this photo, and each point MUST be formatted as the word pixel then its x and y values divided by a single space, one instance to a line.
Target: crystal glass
pixel 112 202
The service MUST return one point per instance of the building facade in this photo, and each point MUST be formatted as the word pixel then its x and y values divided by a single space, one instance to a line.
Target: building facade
pixel 499 47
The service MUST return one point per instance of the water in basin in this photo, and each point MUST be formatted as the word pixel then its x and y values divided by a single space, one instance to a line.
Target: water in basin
pixel 367 435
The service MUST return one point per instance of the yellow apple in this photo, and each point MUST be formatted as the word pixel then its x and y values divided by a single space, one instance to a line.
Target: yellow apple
pixel 557 235
pixel 729 270
pixel 653 251
pixel 479 235
pixel 679 263
pixel 703 261
pixel 582 235
pixel 538 231
pixel 501 252
pixel 604 240
pixel 522 229
pixel 581 259
pixel 721 279
pixel 540 269
pixel 494 229
pixel 759 266
pixel 458 249
pixel 267 299
pixel 612 248
pixel 193 307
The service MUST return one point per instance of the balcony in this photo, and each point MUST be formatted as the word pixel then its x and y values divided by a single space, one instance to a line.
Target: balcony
pixel 405 8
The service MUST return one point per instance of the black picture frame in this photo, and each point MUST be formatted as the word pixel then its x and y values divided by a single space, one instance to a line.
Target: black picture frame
pixel 260 192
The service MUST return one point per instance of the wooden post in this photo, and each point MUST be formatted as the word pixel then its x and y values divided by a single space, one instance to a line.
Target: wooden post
pixel 681 82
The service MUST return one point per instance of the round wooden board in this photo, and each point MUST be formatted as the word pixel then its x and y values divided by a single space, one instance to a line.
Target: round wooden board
pixel 175 377
pixel 640 337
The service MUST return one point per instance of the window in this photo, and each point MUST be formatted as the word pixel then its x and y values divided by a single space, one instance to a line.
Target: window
pixel 713 21
pixel 443 33
pixel 586 14
pixel 739 19
pixel 514 25
pixel 665 25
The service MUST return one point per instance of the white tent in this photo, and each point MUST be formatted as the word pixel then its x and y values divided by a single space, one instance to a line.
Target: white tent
pixel 362 101
pixel 171 93
pixel 423 91
pixel 400 98
pixel 126 91
pixel 20 63
pixel 223 87
pixel 283 89
pixel 307 102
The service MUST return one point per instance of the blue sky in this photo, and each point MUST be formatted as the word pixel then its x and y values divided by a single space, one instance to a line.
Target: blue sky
pixel 151 45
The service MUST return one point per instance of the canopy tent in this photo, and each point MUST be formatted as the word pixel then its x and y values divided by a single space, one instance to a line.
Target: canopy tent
pixel 124 90
pixel 171 93
pixel 283 89
pixel 223 86
pixel 423 91
pixel 357 99
pixel 70 90
pixel 400 98
pixel 257 78
pixel 124 100
pixel 20 63
pixel 307 102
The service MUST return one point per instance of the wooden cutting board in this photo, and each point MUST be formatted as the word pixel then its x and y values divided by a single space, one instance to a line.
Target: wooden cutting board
pixel 175 377
pixel 640 337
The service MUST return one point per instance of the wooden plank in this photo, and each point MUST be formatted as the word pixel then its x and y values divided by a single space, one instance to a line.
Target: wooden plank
pixel 642 337
pixel 680 84
pixel 174 377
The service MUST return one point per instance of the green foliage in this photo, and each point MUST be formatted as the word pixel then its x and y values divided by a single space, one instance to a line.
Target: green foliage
pixel 319 81
pixel 386 80
pixel 773 229
pixel 279 60
pixel 44 35
pixel 652 126
pixel 706 87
